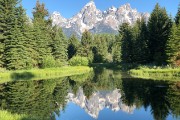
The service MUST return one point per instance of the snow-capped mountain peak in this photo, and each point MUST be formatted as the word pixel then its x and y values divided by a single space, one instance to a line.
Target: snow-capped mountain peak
pixel 91 3
pixel 93 19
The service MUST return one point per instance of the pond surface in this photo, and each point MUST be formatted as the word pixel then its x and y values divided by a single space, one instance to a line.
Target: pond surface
pixel 100 95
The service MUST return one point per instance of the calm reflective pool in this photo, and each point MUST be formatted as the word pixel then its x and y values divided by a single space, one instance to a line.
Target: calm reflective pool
pixel 100 95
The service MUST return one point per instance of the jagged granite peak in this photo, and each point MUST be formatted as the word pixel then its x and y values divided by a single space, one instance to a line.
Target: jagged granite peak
pixel 99 101
pixel 93 19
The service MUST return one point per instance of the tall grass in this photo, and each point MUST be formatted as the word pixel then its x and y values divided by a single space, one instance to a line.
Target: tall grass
pixel 36 74
pixel 157 73
pixel 5 115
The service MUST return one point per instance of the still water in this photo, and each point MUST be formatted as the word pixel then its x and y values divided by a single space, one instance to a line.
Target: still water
pixel 100 95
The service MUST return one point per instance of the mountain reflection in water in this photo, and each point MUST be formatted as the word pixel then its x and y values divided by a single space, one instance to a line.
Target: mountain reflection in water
pixel 93 93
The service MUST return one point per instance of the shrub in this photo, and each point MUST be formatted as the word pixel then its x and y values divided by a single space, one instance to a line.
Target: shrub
pixel 48 62
pixel 79 61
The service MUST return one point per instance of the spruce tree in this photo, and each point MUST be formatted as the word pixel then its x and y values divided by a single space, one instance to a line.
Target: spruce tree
pixel 173 46
pixel 2 26
pixel 85 49
pixel 117 49
pixel 159 26
pixel 9 26
pixel 59 46
pixel 14 49
pixel 177 17
pixel 141 48
pixel 73 45
pixel 100 49
pixel 127 43
pixel 7 11
pixel 41 36
pixel 15 53
pixel 31 46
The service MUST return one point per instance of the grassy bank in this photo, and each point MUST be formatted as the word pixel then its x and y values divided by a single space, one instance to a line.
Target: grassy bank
pixel 36 74
pixel 157 73
pixel 5 115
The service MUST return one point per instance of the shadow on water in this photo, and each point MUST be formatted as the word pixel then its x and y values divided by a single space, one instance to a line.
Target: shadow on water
pixel 22 76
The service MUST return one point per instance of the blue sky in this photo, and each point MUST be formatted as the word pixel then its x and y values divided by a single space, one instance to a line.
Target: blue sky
pixel 68 8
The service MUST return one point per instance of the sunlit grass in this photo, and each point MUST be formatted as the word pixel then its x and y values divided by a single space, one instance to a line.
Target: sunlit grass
pixel 36 74
pixel 5 115
pixel 157 73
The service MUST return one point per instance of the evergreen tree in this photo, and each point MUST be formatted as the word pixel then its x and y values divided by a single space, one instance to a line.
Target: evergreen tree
pixel 173 46
pixel 59 47
pixel 2 26
pixel 177 18
pixel 31 46
pixel 16 51
pixel 85 49
pixel 73 45
pixel 117 49
pixel 41 34
pixel 7 21
pixel 141 48
pixel 100 49
pixel 127 43
pixel 159 28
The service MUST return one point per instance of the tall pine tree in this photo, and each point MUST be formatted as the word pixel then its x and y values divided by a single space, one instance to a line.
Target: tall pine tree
pixel 100 49
pixel 41 36
pixel 73 45
pixel 59 46
pixel 7 12
pixel 159 29
pixel 173 46
pixel 85 49
pixel 117 49
pixel 127 43
pixel 140 46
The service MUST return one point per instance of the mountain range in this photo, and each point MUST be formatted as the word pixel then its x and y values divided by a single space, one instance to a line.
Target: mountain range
pixel 97 21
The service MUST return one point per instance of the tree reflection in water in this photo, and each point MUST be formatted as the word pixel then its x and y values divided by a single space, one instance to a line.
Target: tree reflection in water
pixel 46 98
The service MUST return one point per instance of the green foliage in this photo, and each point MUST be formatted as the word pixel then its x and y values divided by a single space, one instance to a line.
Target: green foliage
pixel 73 45
pixel 159 26
pixel 117 49
pixel 37 74
pixel 48 62
pixel 127 43
pixel 177 17
pixel 40 12
pixel 100 49
pixel 141 50
pixel 7 22
pixel 5 115
pixel 15 53
pixel 79 61
pixel 85 49
pixel 41 34
pixel 173 46
pixel 59 45
pixel 156 73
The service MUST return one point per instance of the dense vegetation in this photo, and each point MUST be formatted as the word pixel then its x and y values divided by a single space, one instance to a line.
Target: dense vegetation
pixel 26 43
pixel 36 74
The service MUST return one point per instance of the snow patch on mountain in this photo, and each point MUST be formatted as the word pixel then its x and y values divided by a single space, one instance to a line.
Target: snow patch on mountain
pixel 91 18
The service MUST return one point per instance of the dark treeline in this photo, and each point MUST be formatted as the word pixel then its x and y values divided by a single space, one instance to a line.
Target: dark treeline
pixel 156 42
pixel 26 43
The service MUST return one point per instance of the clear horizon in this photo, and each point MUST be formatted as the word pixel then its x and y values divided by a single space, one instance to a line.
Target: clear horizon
pixel 70 8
